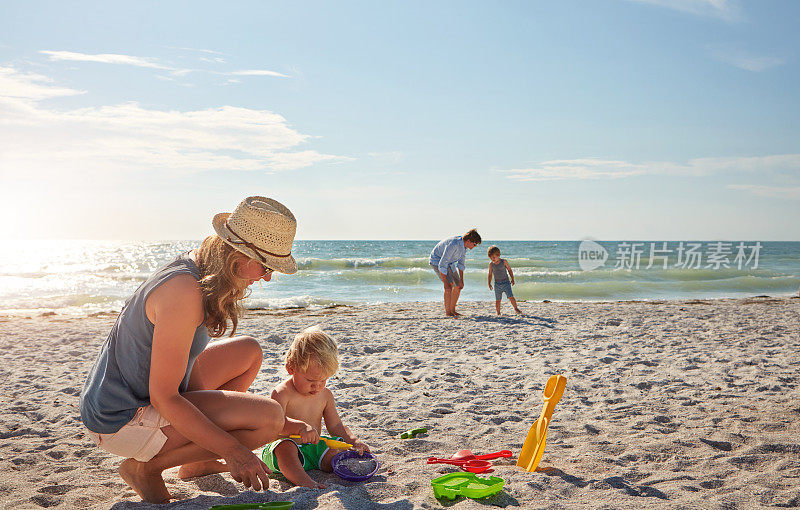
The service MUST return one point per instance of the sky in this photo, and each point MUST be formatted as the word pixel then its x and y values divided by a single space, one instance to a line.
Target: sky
pixel 601 119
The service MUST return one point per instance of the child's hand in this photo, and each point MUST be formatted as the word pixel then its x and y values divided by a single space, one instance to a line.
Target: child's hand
pixel 512 282
pixel 490 287
pixel 309 434
pixel 360 447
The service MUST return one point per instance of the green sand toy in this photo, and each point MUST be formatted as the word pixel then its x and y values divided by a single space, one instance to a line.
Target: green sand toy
pixel 408 434
pixel 466 484
pixel 272 505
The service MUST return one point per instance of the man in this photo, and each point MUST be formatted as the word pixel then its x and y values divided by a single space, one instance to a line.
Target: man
pixel 447 261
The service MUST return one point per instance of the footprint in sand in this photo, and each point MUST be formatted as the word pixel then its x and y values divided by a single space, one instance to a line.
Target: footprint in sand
pixel 46 500
pixel 719 445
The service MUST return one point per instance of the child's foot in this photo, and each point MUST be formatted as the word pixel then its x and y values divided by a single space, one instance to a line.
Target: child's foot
pixel 149 486
pixel 456 314
pixel 196 469
pixel 519 312
pixel 311 484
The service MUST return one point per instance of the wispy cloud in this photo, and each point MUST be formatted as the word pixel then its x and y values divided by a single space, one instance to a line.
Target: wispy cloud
pixel 389 157
pixel 727 10
pixel 201 50
pixel 212 57
pixel 212 60
pixel 743 59
pixel 17 86
pixel 792 193
pixel 119 59
pixel 104 58
pixel 592 168
pixel 130 138
pixel 255 72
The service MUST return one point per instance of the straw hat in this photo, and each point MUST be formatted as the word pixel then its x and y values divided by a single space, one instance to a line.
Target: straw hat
pixel 263 229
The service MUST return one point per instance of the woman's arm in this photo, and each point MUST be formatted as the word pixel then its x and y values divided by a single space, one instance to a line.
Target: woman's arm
pixel 176 310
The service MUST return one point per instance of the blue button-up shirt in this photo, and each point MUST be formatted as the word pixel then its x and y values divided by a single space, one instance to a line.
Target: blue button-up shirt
pixel 449 253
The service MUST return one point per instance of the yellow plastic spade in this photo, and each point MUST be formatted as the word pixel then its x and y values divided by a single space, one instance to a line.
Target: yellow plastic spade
pixel 332 443
pixel 533 448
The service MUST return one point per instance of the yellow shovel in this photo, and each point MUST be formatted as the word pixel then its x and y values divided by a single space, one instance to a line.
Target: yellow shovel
pixel 332 443
pixel 533 448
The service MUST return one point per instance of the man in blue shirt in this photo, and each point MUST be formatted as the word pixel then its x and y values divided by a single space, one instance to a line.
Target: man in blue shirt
pixel 447 260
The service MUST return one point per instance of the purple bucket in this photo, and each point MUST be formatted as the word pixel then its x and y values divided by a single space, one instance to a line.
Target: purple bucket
pixel 343 469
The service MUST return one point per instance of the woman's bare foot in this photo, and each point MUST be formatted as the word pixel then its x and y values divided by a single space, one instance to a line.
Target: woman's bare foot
pixel 456 314
pixel 196 469
pixel 148 485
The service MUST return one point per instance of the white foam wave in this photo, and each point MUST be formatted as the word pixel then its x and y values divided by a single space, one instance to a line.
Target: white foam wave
pixel 282 303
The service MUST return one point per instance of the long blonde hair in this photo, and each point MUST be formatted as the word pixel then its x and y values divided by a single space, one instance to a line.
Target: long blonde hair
pixel 222 289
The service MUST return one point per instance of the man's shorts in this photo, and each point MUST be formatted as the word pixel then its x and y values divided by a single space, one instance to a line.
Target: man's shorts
pixel 452 277
pixel 310 454
pixel 140 439
pixel 500 287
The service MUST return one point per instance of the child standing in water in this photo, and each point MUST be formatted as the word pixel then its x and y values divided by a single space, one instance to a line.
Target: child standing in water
pixel 311 360
pixel 501 271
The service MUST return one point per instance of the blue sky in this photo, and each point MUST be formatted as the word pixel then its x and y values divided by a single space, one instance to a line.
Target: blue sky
pixel 610 119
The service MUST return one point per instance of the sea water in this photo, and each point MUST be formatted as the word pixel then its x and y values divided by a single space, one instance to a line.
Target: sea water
pixel 84 277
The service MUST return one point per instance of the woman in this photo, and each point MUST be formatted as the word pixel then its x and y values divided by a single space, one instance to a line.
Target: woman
pixel 160 394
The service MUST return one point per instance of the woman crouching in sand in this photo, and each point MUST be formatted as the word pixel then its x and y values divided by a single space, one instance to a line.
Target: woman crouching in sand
pixel 159 394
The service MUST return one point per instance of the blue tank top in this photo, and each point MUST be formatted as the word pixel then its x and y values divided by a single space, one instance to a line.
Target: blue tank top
pixel 118 383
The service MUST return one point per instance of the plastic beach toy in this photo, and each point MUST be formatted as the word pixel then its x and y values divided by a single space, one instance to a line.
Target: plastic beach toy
pixel 408 434
pixel 471 465
pixel 341 468
pixel 467 461
pixel 466 484
pixel 339 445
pixel 533 448
pixel 468 455
pixel 272 505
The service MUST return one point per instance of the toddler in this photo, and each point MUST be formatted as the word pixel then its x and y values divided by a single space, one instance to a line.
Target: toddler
pixel 501 271
pixel 311 360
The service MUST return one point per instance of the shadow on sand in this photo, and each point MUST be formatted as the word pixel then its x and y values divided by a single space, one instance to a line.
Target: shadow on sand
pixel 617 482
pixel 528 320
pixel 350 495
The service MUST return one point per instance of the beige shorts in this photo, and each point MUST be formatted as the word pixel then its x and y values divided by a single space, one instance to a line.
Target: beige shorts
pixel 140 439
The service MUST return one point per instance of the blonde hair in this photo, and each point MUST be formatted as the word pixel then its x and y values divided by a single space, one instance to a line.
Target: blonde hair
pixel 313 344
pixel 222 289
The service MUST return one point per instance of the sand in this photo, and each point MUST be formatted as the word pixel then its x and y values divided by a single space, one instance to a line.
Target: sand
pixel 680 404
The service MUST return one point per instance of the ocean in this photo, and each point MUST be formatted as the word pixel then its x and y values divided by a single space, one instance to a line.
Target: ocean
pixel 83 277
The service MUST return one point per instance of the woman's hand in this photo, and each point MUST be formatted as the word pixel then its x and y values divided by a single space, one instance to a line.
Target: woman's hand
pixel 248 469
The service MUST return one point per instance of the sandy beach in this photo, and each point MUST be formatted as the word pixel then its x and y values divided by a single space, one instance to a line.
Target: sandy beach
pixel 677 404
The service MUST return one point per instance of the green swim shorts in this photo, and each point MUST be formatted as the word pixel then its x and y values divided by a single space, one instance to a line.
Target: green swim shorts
pixel 310 454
